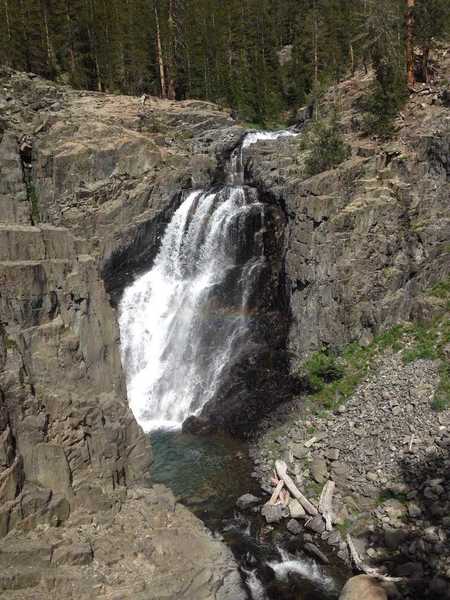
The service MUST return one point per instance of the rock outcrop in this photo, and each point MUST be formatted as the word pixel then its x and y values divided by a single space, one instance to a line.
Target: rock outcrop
pixel 87 183
pixel 365 239
pixel 151 549
pixel 63 410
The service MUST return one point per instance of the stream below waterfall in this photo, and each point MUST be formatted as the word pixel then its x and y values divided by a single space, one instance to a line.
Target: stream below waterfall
pixel 208 474
pixel 184 325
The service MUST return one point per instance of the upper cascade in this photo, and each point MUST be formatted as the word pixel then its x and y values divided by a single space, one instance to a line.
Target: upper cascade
pixel 235 173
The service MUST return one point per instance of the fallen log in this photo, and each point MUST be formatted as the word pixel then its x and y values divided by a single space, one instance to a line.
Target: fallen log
pixel 361 566
pixel 326 503
pixel 281 469
pixel 276 492
pixel 285 497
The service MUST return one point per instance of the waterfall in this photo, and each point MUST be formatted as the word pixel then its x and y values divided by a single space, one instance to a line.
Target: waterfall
pixel 183 321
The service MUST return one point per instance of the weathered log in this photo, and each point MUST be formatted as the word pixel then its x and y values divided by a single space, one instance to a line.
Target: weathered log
pixel 310 442
pixel 361 566
pixel 326 503
pixel 285 497
pixel 281 469
pixel 357 561
pixel 276 492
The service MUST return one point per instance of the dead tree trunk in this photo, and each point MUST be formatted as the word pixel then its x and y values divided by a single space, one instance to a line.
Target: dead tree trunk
pixel 409 30
pixel 171 58
pixel 159 56
pixel 281 470
pixel 425 60
pixel 316 61
pixel 8 22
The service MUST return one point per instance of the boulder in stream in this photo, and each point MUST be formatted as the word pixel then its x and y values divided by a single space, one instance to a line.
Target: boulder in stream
pixel 247 501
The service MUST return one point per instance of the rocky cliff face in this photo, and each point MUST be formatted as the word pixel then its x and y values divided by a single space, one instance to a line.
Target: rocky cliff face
pixel 86 184
pixel 363 240
pixel 65 420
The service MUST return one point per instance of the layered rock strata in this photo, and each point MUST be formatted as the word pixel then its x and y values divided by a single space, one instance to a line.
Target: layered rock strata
pixel 84 178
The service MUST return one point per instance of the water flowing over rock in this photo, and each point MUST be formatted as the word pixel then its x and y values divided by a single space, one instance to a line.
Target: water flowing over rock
pixel 186 322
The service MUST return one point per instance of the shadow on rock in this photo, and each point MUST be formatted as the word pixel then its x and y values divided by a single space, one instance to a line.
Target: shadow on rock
pixel 415 526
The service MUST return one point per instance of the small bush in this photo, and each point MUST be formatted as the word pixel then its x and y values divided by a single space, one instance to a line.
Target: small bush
pixel 321 368
pixel 325 146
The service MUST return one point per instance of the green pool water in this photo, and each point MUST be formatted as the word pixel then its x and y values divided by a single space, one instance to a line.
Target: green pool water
pixel 207 474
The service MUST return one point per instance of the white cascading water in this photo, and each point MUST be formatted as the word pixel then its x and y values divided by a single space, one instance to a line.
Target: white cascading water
pixel 255 586
pixel 177 331
pixel 305 568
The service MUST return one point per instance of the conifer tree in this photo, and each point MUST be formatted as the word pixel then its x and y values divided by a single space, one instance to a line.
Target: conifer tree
pixel 227 52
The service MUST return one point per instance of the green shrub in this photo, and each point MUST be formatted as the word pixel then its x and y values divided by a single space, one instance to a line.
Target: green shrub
pixel 324 145
pixel 321 368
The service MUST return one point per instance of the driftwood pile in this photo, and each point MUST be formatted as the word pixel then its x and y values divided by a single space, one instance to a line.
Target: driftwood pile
pixel 285 488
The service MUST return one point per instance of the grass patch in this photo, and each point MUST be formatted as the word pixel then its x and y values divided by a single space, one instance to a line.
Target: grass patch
pixel 442 291
pixel 390 495
pixel 332 378
pixel 424 344
pixel 10 343
pixel 321 368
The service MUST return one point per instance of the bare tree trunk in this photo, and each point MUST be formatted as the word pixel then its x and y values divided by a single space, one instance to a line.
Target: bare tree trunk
pixel 93 45
pixel 108 69
pixel 24 20
pixel 409 27
pixel 352 59
pixel 316 61
pixel 159 56
pixel 9 54
pixel 171 61
pixel 316 52
pixel 425 60
pixel 8 22
pixel 230 46
pixel 48 43
pixel 71 50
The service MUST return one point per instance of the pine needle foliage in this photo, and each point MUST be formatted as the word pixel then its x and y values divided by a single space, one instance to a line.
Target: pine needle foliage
pixel 324 145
